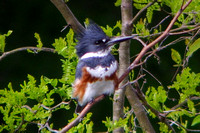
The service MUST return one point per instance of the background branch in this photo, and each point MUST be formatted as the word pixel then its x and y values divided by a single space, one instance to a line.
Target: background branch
pixel 124 61
pixel 34 49
pixel 141 11
pixel 145 49
pixel 68 15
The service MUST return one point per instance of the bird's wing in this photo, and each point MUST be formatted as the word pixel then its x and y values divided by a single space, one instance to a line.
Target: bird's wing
pixel 79 67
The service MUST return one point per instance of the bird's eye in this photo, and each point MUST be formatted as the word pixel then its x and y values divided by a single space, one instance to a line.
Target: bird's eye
pixel 101 41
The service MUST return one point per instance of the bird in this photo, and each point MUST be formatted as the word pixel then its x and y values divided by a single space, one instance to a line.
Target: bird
pixel 96 71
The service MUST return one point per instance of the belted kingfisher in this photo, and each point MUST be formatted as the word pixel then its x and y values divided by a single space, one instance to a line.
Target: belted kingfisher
pixel 97 67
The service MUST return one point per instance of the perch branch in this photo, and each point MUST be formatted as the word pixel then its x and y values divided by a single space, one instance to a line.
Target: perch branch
pixel 82 114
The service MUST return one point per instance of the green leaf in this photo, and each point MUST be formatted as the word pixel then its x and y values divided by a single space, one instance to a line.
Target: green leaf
pixel 191 106
pixel 141 28
pixel 194 47
pixel 30 51
pixel 149 14
pixel 89 127
pixel 39 45
pixel 118 2
pixel 176 57
pixel 108 30
pixel 2 40
pixel 196 120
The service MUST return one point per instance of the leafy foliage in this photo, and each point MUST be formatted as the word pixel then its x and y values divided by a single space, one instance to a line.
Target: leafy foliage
pixel 65 48
pixel 16 109
pixel 156 98
pixel 85 126
pixel 120 123
pixel 186 84
pixel 193 47
pixel 141 29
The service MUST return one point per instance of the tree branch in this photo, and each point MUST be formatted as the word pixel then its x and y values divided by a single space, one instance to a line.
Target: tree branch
pixel 162 36
pixel 139 111
pixel 124 61
pixel 68 15
pixel 186 129
pixel 178 31
pixel 160 116
pixel 141 11
pixel 34 49
pixel 82 114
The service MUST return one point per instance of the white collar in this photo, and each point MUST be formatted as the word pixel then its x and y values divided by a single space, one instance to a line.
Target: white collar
pixel 95 54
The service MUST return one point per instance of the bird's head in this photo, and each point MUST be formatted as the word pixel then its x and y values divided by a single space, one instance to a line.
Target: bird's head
pixel 94 40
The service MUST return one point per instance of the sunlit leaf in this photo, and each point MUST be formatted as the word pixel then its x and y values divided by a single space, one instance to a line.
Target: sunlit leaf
pixel 196 120
pixel 2 40
pixel 194 47
pixel 118 2
pixel 39 45
pixel 176 57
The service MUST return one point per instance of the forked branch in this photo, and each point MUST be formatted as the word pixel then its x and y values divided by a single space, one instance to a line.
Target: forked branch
pixel 150 45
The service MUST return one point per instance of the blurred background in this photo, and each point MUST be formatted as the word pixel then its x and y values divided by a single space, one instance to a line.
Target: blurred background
pixel 25 17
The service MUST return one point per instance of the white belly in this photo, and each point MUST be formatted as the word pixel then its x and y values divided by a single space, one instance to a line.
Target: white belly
pixel 98 88
pixel 103 85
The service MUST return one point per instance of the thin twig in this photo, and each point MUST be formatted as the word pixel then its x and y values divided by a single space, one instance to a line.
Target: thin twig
pixel 82 114
pixel 50 129
pixel 160 22
pixel 21 124
pixel 132 82
pixel 29 108
pixel 184 32
pixel 64 27
pixel 152 76
pixel 174 31
pixel 184 102
pixel 138 39
pixel 141 11
pixel 173 42
pixel 179 124
pixel 34 49
pixel 52 108
pixel 46 125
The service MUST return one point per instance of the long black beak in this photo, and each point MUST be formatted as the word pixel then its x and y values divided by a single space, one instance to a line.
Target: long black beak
pixel 115 40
